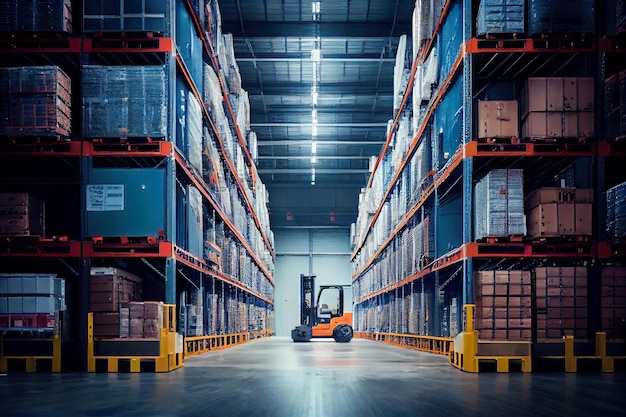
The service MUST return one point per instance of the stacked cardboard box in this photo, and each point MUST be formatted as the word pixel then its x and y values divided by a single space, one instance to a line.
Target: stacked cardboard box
pixel 616 211
pixel 559 212
pixel 152 319
pixel 145 319
pixel 561 302
pixel 503 305
pixel 110 291
pixel 35 101
pixel 498 204
pixel 557 107
pixel 497 119
pixel 21 214
pixel 613 302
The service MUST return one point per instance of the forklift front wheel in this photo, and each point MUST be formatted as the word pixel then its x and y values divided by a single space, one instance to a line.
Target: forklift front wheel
pixel 343 333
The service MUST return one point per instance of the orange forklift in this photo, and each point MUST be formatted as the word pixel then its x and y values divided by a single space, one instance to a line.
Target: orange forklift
pixel 325 318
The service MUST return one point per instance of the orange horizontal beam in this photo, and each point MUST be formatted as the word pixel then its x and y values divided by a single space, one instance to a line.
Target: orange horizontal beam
pixel 52 45
pixel 473 149
pixel 474 46
pixel 164 45
pixel 164 150
pixel 161 249
pixel 45 248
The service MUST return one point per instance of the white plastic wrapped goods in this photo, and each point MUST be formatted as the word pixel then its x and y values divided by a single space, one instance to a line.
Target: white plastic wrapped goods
pixel 194 132
pixel 499 204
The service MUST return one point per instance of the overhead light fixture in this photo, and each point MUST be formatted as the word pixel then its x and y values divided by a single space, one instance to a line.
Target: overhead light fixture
pixel 314 159
pixel 314 148
pixel 312 175
pixel 314 129
pixel 316 7
pixel 316 55
pixel 314 115
pixel 314 97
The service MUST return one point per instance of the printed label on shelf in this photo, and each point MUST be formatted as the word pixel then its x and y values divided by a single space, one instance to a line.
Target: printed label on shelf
pixel 105 197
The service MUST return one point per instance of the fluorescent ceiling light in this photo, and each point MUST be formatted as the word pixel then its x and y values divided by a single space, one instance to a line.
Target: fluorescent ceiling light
pixel 316 7
pixel 314 115
pixel 316 55
pixel 314 148
pixel 314 96
pixel 314 159
pixel 314 130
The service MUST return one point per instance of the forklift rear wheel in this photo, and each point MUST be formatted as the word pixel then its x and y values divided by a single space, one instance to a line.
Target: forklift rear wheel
pixel 343 333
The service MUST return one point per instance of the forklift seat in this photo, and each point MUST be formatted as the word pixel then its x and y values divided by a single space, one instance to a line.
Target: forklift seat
pixel 324 314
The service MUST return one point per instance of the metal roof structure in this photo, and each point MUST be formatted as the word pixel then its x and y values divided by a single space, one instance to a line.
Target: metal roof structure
pixel 320 81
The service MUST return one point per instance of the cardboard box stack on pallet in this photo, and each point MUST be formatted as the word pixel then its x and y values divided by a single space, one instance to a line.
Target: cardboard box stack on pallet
pixel 497 119
pixel 141 319
pixel 503 305
pixel 21 214
pixel 613 302
pixel 110 290
pixel 555 108
pixel 559 212
pixel 561 302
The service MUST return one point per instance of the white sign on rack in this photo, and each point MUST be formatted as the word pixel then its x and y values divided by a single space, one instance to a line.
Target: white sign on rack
pixel 105 197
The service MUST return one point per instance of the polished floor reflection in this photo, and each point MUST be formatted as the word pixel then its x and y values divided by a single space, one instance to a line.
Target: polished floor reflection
pixel 277 378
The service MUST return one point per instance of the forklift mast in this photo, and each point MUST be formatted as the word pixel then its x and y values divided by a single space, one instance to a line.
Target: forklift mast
pixel 307 307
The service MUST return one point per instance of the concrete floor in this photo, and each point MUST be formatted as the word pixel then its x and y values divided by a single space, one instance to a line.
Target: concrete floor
pixel 277 378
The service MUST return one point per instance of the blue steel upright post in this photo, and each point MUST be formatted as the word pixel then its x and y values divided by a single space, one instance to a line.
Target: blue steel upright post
pixel 170 180
pixel 467 162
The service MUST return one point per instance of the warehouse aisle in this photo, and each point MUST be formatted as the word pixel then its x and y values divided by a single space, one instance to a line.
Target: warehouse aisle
pixel 275 377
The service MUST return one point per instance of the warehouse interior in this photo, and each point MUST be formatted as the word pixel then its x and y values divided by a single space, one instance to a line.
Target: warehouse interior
pixel 176 174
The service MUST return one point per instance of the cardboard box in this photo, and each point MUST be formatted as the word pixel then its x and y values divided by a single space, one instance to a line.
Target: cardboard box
pixel 560 219
pixel 558 195
pixel 106 324
pixel 124 327
pixel 570 94
pixel 542 125
pixel 136 310
pixel 586 94
pixel 498 119
pixel 151 329
pixel 136 328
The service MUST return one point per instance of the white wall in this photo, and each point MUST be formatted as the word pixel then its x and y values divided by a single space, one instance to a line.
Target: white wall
pixel 323 252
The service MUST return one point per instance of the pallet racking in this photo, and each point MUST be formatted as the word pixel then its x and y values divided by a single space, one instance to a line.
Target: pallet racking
pixel 417 254
pixel 222 252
